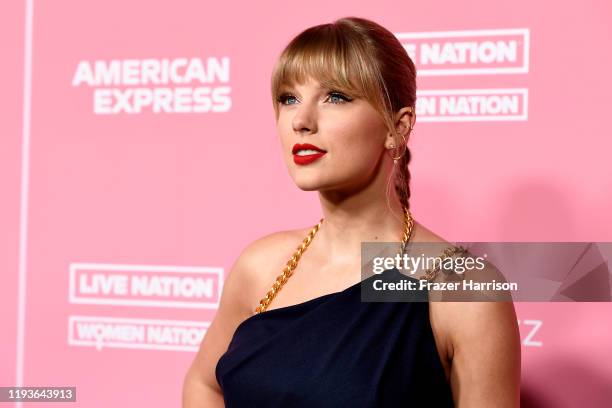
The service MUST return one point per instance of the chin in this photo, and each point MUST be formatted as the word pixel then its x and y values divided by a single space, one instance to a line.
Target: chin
pixel 308 183
pixel 308 186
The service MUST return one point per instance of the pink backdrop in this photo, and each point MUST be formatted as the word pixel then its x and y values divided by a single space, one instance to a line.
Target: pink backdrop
pixel 91 200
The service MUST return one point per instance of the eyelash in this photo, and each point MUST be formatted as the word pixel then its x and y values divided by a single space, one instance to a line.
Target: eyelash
pixel 282 98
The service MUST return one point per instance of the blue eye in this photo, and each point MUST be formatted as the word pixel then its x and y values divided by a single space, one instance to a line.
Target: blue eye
pixel 343 97
pixel 284 98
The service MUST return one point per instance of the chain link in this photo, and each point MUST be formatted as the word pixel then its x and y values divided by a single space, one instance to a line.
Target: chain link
pixel 293 262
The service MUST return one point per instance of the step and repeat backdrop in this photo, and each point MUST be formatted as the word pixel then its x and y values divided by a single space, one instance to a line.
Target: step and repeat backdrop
pixel 139 156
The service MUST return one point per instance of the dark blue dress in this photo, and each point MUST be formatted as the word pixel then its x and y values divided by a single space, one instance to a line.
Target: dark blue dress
pixel 336 351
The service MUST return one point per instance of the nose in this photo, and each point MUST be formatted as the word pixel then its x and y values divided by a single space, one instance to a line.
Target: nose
pixel 305 118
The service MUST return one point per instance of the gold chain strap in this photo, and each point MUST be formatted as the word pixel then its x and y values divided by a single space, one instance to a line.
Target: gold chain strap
pixel 292 263
pixel 288 270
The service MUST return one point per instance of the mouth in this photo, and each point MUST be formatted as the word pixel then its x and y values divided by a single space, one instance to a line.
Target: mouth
pixel 306 149
pixel 306 153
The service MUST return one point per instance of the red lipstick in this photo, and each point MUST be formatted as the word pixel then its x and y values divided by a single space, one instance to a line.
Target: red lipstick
pixel 302 159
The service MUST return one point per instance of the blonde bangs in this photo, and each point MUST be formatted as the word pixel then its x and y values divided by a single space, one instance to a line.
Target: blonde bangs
pixel 336 57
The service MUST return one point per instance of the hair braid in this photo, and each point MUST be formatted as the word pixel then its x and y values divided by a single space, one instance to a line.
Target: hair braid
pixel 402 179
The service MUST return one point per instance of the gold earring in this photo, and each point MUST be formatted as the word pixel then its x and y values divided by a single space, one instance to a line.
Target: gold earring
pixel 411 113
pixel 392 146
pixel 395 159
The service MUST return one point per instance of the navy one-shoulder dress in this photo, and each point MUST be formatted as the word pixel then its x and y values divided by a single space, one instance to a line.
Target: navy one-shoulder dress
pixel 335 351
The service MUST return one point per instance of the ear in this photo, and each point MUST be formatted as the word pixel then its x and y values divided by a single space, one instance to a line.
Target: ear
pixel 405 120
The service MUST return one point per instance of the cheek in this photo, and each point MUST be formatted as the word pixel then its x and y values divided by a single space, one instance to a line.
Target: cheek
pixel 354 156
pixel 283 132
pixel 362 160
pixel 357 140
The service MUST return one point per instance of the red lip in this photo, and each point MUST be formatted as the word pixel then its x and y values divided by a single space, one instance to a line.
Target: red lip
pixel 299 146
pixel 309 158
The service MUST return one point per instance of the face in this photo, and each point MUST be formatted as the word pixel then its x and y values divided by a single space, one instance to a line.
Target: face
pixel 344 137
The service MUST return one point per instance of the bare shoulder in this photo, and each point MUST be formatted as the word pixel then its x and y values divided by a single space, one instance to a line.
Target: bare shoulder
pixel 486 353
pixel 249 278
pixel 479 344
pixel 264 259
pixel 251 274
pixel 438 311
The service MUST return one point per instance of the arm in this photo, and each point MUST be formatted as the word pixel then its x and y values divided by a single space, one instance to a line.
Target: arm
pixel 200 386
pixel 486 354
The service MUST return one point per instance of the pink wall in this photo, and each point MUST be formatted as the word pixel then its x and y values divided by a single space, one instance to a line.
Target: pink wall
pixel 179 194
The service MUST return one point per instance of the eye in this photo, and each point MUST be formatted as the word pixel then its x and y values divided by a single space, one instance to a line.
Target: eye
pixel 283 98
pixel 343 98
pixel 338 96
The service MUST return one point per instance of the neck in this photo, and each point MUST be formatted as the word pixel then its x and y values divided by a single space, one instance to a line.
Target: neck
pixel 370 215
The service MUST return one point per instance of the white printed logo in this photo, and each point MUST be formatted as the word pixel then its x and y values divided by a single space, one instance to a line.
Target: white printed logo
pixel 468 52
pixel 529 338
pixel 461 105
pixel 100 332
pixel 180 85
pixel 145 285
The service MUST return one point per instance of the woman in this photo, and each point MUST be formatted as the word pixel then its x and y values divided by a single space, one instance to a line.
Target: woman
pixel 344 96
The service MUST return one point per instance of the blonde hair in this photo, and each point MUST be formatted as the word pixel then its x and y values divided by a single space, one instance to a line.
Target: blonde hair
pixel 363 59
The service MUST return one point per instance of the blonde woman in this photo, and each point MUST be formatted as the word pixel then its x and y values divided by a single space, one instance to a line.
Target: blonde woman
pixel 291 330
